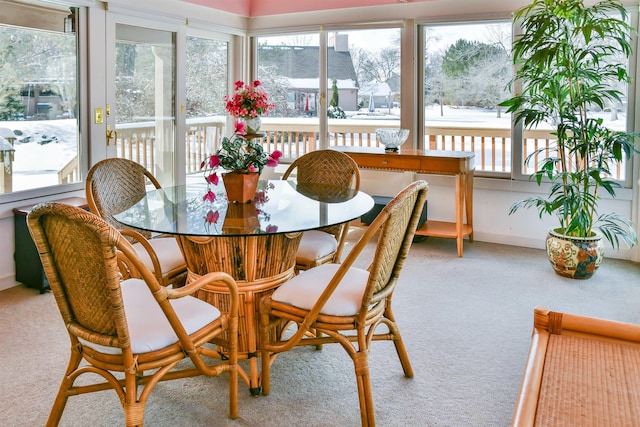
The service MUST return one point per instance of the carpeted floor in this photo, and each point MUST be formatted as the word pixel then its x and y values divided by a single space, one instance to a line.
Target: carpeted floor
pixel 466 323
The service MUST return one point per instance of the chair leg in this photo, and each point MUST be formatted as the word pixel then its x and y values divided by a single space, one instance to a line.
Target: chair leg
pixel 398 343
pixel 133 408
pixel 265 354
pixel 134 413
pixel 318 335
pixel 361 363
pixel 233 393
pixel 63 392
pixel 403 356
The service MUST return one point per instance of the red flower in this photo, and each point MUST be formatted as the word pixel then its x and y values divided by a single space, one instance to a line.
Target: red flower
pixel 248 100
pixel 212 217
pixel 274 158
pixel 210 196
pixel 214 161
pixel 241 127
pixel 271 228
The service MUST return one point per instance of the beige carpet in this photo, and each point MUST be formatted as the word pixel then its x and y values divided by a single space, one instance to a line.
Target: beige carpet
pixel 466 323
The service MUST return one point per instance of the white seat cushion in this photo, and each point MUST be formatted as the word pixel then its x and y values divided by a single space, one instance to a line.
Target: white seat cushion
pixel 304 290
pixel 316 244
pixel 167 251
pixel 149 329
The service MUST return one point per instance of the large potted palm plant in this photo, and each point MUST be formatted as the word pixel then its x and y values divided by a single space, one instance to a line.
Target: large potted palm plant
pixel 571 59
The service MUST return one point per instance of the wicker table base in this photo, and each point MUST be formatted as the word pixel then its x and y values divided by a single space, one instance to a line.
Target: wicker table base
pixel 259 263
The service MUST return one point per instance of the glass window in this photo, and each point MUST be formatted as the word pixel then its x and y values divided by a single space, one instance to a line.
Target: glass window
pixel 467 68
pixel 207 77
pixel 144 99
pixel 364 90
pixel 288 67
pixel 39 135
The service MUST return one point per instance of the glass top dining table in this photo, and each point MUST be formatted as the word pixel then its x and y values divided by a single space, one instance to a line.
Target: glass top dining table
pixel 279 207
pixel 256 243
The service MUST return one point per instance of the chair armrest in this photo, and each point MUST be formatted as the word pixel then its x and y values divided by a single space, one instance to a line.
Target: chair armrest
pixel 203 281
pixel 139 238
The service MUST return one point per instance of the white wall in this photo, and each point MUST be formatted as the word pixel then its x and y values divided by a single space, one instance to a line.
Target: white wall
pixel 492 199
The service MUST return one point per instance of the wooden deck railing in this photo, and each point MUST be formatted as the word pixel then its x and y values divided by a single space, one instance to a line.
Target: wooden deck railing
pixel 295 137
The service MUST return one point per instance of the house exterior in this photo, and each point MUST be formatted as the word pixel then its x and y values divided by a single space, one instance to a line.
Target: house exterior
pixel 299 66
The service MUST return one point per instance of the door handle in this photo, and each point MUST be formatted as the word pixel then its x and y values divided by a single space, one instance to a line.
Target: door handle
pixel 111 133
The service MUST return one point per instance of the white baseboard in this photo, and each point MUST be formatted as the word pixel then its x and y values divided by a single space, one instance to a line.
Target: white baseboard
pixel 7 282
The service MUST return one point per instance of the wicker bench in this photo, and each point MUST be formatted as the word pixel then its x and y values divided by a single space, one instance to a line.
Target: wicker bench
pixel 580 371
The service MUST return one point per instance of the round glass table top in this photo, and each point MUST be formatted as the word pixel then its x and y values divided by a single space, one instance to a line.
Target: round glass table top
pixel 279 207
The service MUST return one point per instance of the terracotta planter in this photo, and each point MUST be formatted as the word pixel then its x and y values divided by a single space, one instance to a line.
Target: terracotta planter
pixel 241 218
pixel 240 187
pixel 574 257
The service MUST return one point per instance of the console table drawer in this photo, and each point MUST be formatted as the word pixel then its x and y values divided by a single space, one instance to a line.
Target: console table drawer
pixel 388 162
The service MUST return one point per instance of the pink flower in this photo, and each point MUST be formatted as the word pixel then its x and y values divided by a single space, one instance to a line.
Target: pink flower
pixel 210 196
pixel 248 100
pixel 212 217
pixel 274 158
pixel 254 169
pixel 271 228
pixel 212 179
pixel 241 127
pixel 214 161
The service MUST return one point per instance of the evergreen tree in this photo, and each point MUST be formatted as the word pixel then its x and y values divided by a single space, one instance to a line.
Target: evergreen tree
pixel 334 94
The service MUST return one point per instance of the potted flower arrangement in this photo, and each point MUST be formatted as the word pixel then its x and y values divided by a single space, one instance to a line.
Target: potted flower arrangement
pixel 243 160
pixel 570 58
pixel 248 102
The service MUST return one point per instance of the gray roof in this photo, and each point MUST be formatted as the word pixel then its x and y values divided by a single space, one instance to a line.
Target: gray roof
pixel 302 62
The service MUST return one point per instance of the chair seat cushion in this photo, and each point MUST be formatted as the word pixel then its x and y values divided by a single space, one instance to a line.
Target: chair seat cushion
pixel 304 290
pixel 316 244
pixel 168 253
pixel 149 328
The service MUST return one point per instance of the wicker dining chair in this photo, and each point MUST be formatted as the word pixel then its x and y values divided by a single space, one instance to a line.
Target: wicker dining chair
pixel 116 184
pixel 134 332
pixel 323 167
pixel 339 299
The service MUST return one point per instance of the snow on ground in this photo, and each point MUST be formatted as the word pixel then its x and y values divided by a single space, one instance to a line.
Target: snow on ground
pixel 36 163
pixel 42 148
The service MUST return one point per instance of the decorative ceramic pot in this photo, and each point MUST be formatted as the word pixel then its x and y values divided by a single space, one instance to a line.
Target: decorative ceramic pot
pixel 574 257
pixel 241 187
pixel 253 124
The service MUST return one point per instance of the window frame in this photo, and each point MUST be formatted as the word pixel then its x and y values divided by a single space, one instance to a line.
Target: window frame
pixel 81 99
pixel 323 33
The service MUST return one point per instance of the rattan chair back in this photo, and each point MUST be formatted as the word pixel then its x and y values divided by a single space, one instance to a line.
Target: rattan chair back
pixel 333 168
pixel 79 253
pixel 325 167
pixel 399 220
pixel 114 185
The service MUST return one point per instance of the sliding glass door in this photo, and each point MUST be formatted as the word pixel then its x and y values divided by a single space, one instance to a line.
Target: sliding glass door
pixel 141 90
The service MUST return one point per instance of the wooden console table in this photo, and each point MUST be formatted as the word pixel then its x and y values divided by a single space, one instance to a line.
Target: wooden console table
pixel 458 163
